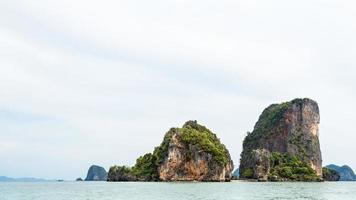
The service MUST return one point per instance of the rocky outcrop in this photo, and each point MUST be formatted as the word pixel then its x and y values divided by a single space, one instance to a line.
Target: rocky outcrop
pixel 345 172
pixel 96 173
pixel 262 163
pixel 190 153
pixel 194 153
pixel 330 175
pixel 285 133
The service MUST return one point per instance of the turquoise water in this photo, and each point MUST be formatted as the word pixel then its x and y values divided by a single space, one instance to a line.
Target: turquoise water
pixel 176 191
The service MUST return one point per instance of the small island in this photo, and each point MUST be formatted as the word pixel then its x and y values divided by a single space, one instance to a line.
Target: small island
pixel 96 173
pixel 190 153
pixel 344 173
pixel 284 145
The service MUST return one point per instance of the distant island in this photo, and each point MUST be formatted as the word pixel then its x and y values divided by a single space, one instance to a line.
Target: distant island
pixel 25 179
pixel 96 173
pixel 236 174
pixel 345 172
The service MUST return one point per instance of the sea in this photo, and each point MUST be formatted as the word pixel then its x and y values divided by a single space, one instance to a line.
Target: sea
pixel 235 190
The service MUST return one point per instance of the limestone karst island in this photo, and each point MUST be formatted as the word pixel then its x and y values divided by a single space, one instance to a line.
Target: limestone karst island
pixel 284 144
pixel 190 153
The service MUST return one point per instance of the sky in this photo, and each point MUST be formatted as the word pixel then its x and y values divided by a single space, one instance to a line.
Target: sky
pixel 101 82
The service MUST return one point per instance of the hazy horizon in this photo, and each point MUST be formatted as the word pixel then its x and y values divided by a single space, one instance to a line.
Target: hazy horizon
pixel 89 82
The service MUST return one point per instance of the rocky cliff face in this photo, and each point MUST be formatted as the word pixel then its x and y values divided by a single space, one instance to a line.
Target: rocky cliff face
pixel 195 153
pixel 287 134
pixel 190 153
pixel 96 173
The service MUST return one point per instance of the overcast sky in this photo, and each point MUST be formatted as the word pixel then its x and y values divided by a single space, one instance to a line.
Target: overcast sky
pixel 100 82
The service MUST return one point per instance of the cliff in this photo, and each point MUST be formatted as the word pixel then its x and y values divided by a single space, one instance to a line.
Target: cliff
pixel 190 153
pixel 345 172
pixel 96 173
pixel 284 145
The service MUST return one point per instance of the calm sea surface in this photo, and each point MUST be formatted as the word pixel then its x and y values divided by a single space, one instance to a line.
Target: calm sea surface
pixel 176 191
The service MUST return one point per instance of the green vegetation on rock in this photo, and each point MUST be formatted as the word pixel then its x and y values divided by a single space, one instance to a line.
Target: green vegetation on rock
pixel 248 173
pixel 146 168
pixel 285 167
pixel 271 117
pixel 267 122
pixel 120 173
pixel 195 134
pixel 119 169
